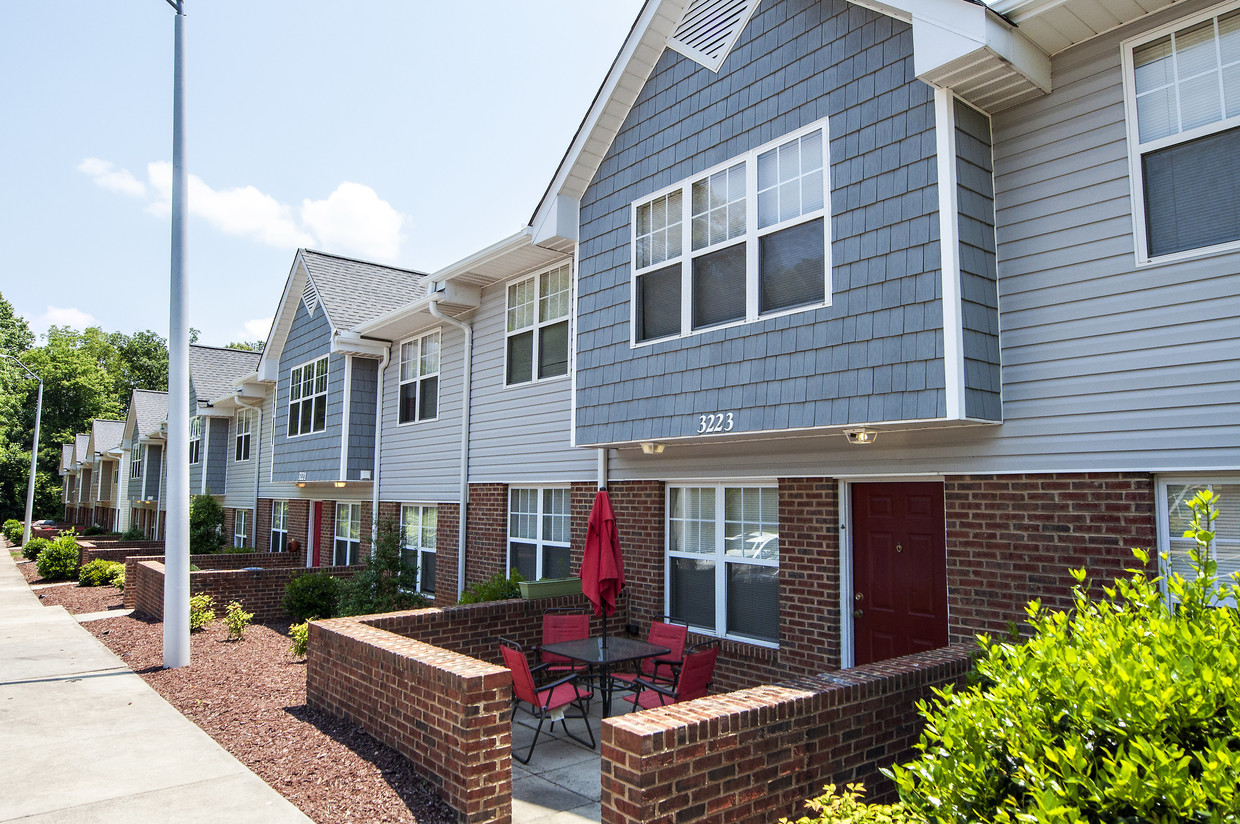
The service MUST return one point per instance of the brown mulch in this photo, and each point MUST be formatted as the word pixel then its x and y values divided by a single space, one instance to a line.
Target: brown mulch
pixel 31 571
pixel 79 600
pixel 250 696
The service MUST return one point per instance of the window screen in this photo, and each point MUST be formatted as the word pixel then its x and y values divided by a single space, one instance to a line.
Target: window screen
pixel 719 287
pixel 792 267
pixel 658 303
pixel 1192 194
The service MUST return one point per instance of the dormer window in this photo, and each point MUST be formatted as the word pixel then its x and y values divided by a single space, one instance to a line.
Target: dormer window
pixel 307 398
pixel 742 241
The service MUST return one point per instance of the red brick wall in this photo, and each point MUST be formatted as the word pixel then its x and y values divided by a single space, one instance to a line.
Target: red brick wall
pixel 447 713
pixel 214 561
pixel 809 577
pixel 115 550
pixel 230 521
pixel 486 532
pixel 262 525
pixel 1013 538
pixel 753 756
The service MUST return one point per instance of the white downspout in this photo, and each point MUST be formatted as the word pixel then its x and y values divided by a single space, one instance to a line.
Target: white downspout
pixel 255 438
pixel 466 377
pixel 374 475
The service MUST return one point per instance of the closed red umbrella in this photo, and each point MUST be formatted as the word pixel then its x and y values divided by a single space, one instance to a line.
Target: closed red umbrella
pixel 602 567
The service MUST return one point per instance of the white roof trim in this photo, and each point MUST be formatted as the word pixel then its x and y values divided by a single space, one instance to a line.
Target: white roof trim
pixel 281 324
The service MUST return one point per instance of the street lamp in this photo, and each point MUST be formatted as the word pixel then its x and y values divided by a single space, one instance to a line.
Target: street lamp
pixel 34 453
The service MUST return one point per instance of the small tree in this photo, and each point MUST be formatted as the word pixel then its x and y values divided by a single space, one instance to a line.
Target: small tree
pixel 206 518
pixel 388 580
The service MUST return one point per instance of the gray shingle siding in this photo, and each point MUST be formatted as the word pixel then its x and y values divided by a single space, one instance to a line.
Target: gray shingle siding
pixel 362 417
pixel 317 454
pixel 218 454
pixel 151 473
pixel 874 353
pixel 979 292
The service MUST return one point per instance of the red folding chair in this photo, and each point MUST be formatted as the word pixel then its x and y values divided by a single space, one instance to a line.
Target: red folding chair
pixel 661 669
pixel 546 703
pixel 694 679
pixel 562 624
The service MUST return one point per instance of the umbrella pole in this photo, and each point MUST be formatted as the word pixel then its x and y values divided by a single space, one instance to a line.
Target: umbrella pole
pixel 604 629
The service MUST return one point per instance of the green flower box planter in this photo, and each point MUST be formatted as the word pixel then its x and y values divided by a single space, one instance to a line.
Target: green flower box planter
pixel 550 587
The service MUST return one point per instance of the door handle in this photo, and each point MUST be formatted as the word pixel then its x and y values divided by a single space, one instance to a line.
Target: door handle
pixel 857 613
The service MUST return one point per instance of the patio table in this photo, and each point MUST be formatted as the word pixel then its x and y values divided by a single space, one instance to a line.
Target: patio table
pixel 603 659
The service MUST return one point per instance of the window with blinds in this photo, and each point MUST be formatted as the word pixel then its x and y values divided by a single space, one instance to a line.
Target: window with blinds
pixel 745 240
pixel 1225 549
pixel 1183 91
pixel 537 326
pixel 307 398
pixel 279 526
pixel 348 534
pixel 419 379
pixel 538 532
pixel 723 560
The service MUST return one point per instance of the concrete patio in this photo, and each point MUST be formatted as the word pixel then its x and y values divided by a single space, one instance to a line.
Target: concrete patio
pixel 560 785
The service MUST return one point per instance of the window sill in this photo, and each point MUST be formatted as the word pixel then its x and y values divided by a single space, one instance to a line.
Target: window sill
pixel 539 381
pixel 638 344
pixel 1189 254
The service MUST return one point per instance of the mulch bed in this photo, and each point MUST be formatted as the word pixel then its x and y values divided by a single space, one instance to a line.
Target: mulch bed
pixel 79 600
pixel 250 696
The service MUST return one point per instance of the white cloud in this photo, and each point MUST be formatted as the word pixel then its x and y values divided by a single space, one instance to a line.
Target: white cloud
pixel 355 219
pixel 257 328
pixel 106 175
pixel 58 316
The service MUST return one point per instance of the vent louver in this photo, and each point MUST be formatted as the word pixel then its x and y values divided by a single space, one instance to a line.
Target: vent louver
pixel 310 297
pixel 709 29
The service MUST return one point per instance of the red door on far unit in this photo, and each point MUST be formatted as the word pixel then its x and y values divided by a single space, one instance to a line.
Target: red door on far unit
pixel 316 529
pixel 899 570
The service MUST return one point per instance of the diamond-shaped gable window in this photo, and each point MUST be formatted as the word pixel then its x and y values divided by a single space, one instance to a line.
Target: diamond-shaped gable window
pixel 710 28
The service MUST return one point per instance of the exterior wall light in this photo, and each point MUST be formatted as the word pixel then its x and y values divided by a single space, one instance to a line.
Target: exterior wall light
pixel 338 484
pixel 301 485
pixel 861 436
pixel 651 448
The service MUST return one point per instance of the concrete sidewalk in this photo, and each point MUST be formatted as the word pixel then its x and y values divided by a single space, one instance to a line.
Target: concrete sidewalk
pixel 84 739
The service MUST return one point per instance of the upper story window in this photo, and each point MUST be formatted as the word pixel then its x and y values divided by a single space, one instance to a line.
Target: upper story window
pixel 538 532
pixel 537 323
pixel 307 398
pixel 136 456
pixel 244 423
pixel 1183 98
pixel 419 379
pixel 195 439
pixel 744 240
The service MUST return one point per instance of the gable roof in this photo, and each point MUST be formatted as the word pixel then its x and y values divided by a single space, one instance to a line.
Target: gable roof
pixel 215 370
pixel 80 442
pixel 148 409
pixel 66 457
pixel 105 435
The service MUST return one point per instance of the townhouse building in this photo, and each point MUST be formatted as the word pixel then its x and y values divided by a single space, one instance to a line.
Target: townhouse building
pixel 145 478
pixel 103 459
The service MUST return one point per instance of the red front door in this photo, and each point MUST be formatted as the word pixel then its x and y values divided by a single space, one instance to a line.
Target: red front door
pixel 316 524
pixel 899 569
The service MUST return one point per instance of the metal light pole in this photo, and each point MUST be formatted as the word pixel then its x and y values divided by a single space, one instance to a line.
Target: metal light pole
pixel 34 453
pixel 176 536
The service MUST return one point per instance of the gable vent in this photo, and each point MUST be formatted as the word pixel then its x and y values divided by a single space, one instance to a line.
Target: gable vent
pixel 710 28
pixel 310 297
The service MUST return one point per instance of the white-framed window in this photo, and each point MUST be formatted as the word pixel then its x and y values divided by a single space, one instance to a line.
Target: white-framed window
pixel 1182 95
pixel 195 439
pixel 537 324
pixel 538 532
pixel 419 379
pixel 744 240
pixel 418 526
pixel 348 534
pixel 279 526
pixel 241 528
pixel 1174 517
pixel 307 398
pixel 244 422
pixel 722 573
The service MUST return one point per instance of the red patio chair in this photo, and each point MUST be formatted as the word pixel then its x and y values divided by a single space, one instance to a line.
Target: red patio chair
pixel 662 669
pixel 694 679
pixel 562 624
pixel 546 703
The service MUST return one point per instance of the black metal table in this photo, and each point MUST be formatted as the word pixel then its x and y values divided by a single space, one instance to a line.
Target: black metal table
pixel 603 659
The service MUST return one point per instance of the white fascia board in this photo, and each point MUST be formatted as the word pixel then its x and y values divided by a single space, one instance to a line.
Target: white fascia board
pixel 494 252
pixel 558 223
pixel 413 317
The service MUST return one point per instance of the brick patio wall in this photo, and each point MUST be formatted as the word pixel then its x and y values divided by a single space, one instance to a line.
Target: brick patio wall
pixel 752 756
pixel 115 550
pixel 221 576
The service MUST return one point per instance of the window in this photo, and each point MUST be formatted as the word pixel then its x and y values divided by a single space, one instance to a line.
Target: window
pixel 244 423
pixel 348 534
pixel 741 241
pixel 723 560
pixel 538 310
pixel 279 526
pixel 241 529
pixel 1225 549
pixel 195 440
pixel 419 379
pixel 1183 94
pixel 307 398
pixel 419 523
pixel 538 523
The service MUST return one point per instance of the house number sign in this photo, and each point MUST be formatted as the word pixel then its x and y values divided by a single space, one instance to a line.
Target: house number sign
pixel 715 422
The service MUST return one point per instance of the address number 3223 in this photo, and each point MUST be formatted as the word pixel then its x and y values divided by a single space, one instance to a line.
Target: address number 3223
pixel 715 422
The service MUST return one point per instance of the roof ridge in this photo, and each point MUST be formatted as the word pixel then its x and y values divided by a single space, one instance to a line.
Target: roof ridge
pixel 217 348
pixel 365 262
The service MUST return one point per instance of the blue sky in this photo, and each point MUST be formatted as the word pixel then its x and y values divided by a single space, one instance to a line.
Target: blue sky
pixel 412 133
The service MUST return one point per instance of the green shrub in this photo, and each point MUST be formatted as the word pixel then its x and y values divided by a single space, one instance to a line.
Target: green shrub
pixel 300 633
pixel 92 531
pixel 846 807
pixel 387 581
pixel 99 573
pixel 206 518
pixel 313 595
pixel 33 547
pixel 118 580
pixel 134 533
pixel 13 530
pixel 59 562
pixel 236 619
pixel 201 611
pixel 496 588
pixel 1124 709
